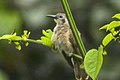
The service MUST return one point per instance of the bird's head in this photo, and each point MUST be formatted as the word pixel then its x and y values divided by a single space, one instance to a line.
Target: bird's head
pixel 59 18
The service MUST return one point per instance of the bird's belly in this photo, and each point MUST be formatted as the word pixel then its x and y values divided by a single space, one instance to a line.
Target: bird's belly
pixel 61 42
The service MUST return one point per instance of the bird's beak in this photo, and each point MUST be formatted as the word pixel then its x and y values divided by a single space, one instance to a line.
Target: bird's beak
pixel 52 16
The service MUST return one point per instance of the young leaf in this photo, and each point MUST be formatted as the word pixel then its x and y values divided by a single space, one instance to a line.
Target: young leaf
pixel 17 45
pixel 46 39
pixel 10 37
pixel 117 16
pixel 26 44
pixel 107 39
pixel 113 25
pixel 50 32
pixel 104 27
pixel 47 33
pixel 26 35
pixel 93 62
pixel 104 53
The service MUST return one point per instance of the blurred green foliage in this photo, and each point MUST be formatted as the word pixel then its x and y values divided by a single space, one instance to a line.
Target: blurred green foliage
pixel 9 19
pixel 3 76
pixel 37 62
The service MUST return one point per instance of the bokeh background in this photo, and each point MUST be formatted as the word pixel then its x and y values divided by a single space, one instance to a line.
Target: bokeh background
pixel 37 62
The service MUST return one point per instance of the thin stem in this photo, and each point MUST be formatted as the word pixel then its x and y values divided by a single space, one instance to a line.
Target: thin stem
pixel 77 56
pixel 34 41
pixel 28 40
pixel 73 27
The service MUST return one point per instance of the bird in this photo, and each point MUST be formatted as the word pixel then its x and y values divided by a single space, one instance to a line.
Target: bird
pixel 64 42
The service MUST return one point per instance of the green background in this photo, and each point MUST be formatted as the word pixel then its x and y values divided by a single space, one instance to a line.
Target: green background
pixel 37 62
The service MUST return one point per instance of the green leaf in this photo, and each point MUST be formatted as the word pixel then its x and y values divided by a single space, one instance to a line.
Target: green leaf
pixel 113 24
pixel 16 38
pixel 47 33
pixel 46 39
pixel 10 37
pixel 100 49
pixel 117 16
pixel 93 62
pixel 50 32
pixel 104 27
pixel 17 45
pixel 27 43
pixel 26 35
pixel 104 53
pixel 107 39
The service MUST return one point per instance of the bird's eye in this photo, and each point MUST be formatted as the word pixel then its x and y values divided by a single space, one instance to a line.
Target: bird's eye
pixel 61 16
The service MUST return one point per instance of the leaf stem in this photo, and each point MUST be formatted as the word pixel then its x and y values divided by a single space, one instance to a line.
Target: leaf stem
pixel 34 41
pixel 28 40
pixel 73 27
pixel 77 56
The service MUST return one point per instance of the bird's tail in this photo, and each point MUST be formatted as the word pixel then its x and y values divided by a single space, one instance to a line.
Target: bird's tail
pixel 80 73
pixel 75 63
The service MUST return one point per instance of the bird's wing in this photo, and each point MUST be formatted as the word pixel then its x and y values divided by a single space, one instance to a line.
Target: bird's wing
pixel 74 44
pixel 80 74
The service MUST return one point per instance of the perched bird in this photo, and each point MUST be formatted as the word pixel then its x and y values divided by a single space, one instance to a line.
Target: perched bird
pixel 64 42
